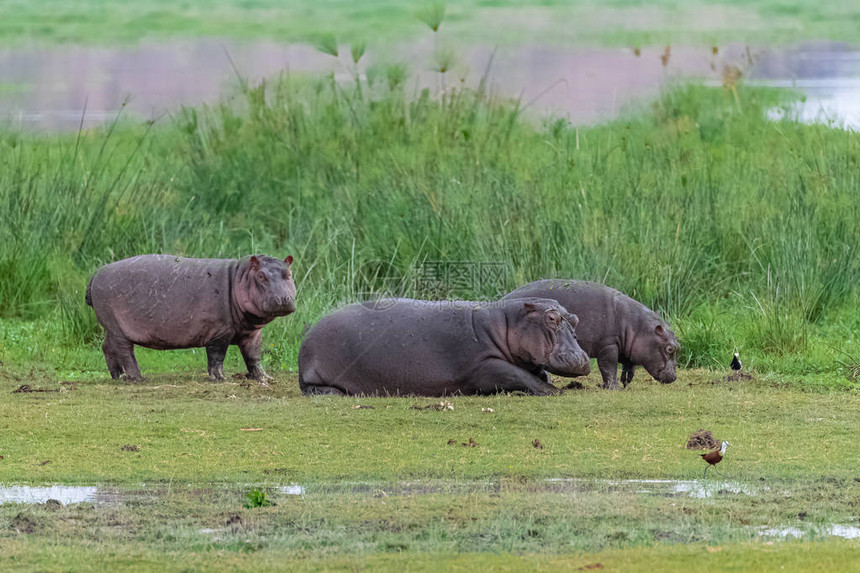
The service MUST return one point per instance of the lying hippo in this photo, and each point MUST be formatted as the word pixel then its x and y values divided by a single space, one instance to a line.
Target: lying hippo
pixel 614 328
pixel 437 348
pixel 167 302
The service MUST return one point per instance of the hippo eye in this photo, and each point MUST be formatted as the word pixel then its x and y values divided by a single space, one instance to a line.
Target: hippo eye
pixel 670 350
pixel 553 320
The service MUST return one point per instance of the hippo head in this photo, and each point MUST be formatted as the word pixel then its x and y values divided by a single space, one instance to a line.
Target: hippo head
pixel 543 335
pixel 656 351
pixel 271 291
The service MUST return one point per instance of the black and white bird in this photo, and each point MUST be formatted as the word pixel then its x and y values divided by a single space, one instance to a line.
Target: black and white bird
pixel 736 362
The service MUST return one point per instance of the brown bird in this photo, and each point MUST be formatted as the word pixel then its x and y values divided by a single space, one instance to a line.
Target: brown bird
pixel 715 457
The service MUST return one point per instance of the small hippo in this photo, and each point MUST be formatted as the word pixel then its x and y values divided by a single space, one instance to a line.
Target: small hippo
pixel 614 328
pixel 167 302
pixel 437 348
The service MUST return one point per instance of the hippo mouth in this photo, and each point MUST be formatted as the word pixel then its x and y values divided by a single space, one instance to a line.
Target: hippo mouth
pixel 283 307
pixel 666 376
pixel 569 364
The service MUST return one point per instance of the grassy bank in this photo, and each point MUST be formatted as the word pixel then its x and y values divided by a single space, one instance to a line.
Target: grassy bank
pixel 190 430
pixel 741 230
pixel 49 555
pixel 623 22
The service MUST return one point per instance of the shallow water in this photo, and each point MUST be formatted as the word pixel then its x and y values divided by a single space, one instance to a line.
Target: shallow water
pixel 690 488
pixel 105 495
pixel 49 88
pixel 827 74
pixel 65 494
pixel 292 489
pixel 826 530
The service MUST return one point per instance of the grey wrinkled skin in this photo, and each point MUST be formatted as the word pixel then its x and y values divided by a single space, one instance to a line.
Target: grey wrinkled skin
pixel 167 302
pixel 439 348
pixel 613 328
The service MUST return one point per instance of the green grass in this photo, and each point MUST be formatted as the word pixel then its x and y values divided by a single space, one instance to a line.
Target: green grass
pixel 190 430
pixel 752 557
pixel 385 490
pixel 621 22
pixel 740 230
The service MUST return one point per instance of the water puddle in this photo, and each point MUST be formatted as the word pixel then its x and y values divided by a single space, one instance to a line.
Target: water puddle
pixel 105 495
pixel 690 488
pixel 827 530
pixel 292 489
pixel 65 494
pixel 47 88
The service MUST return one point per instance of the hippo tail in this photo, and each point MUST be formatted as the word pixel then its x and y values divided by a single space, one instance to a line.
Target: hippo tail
pixel 89 296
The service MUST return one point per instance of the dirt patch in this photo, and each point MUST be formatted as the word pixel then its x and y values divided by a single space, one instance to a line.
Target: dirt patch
pixel 130 448
pixel 443 405
pixel 271 471
pixel 537 444
pixel 27 389
pixel 737 376
pixel 575 385
pixel 234 522
pixel 23 523
pixel 52 504
pixel 702 440
pixel 363 407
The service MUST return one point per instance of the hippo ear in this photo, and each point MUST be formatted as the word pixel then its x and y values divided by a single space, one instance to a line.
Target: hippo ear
pixel 289 259
pixel 530 307
pixel 574 320
pixel 255 263
pixel 660 330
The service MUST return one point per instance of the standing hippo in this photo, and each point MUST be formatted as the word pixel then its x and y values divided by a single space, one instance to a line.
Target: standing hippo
pixel 614 328
pixel 167 302
pixel 437 348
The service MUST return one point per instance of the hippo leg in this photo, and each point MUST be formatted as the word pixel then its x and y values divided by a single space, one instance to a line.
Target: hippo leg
pixel 498 376
pixel 607 362
pixel 627 371
pixel 112 360
pixel 250 348
pixel 312 385
pixel 119 355
pixel 323 391
pixel 215 353
pixel 543 375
